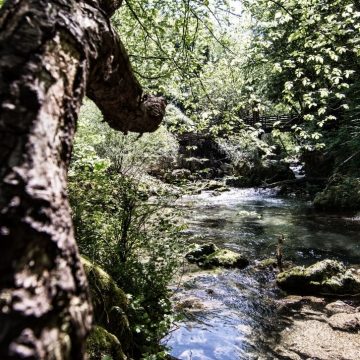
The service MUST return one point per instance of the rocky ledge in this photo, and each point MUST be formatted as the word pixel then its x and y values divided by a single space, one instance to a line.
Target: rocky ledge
pixel 316 329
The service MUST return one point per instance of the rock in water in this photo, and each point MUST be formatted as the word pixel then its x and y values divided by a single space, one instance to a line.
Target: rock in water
pixel 324 277
pixel 200 251
pixel 225 258
pixel 209 256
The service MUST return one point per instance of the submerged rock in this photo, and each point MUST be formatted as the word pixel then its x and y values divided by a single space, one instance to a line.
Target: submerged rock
pixel 327 277
pixel 271 264
pixel 209 256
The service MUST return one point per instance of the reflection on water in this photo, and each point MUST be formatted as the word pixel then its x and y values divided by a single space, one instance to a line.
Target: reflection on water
pixel 237 318
pixel 249 221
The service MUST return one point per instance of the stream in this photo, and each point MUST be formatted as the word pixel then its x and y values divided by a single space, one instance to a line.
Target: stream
pixel 232 313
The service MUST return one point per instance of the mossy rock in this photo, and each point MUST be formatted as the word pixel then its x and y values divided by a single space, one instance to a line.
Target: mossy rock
pixel 209 256
pixel 324 277
pixel 225 258
pixel 102 345
pixel 341 194
pixel 109 301
pixel 198 252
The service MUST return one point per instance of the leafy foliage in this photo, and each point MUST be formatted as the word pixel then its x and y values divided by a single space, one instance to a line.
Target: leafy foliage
pixel 312 51
pixel 135 238
pixel 168 41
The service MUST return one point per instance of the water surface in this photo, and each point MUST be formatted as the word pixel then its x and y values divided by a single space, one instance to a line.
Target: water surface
pixel 233 313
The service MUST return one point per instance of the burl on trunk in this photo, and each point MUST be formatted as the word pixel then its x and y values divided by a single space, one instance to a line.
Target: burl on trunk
pixel 52 53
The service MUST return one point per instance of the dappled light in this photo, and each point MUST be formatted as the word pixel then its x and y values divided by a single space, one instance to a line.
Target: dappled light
pixel 179 180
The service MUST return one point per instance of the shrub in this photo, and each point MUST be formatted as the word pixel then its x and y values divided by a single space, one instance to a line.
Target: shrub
pixel 134 238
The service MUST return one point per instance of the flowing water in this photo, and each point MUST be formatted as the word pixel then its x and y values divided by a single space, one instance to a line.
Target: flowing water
pixel 232 314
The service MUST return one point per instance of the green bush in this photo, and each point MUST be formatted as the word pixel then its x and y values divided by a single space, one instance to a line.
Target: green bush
pixel 135 238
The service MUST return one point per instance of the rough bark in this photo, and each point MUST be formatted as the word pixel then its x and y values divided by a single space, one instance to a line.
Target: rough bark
pixel 51 54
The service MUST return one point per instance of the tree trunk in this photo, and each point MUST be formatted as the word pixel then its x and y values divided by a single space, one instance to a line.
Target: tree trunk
pixel 51 54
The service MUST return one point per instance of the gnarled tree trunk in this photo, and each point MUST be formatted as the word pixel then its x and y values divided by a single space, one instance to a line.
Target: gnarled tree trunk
pixel 51 54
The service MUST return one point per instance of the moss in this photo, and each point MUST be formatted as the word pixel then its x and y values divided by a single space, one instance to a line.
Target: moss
pixel 110 303
pixel 324 270
pixel 327 276
pixel 342 194
pixel 267 263
pixel 209 256
pixel 102 344
pixel 198 252
pixel 225 258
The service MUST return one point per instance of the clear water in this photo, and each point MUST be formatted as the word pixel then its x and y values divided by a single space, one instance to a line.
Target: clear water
pixel 238 318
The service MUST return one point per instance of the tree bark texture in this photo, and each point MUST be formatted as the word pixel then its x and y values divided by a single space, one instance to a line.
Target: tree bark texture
pixel 51 54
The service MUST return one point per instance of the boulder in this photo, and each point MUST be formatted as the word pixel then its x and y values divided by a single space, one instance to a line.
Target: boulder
pixel 327 277
pixel 209 256
pixel 179 174
pixel 101 344
pixel 318 163
pixel 339 307
pixel 225 258
pixel 345 322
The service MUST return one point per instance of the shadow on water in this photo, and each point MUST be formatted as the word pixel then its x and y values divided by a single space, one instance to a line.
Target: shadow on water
pixel 231 314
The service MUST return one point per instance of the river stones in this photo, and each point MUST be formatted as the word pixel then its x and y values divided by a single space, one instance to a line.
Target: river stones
pixel 327 277
pixel 209 256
